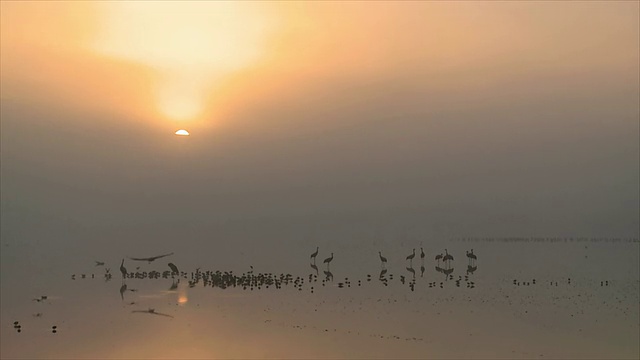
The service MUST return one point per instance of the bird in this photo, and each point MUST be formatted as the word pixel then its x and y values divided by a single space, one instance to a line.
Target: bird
pixel 447 257
pixel 472 257
pixel 410 257
pixel 174 269
pixel 421 254
pixel 328 260
pixel 99 263
pixel 382 258
pixel 150 259
pixel 313 256
pixel 438 257
pixel 123 270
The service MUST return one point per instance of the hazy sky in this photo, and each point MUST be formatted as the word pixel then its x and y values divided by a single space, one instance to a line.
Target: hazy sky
pixel 312 120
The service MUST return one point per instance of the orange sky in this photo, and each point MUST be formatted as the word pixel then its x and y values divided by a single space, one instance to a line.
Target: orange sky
pixel 196 63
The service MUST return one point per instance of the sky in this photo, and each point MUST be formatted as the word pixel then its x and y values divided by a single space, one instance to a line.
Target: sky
pixel 318 121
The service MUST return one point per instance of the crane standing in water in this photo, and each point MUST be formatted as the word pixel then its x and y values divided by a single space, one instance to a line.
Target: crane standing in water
pixel 472 257
pixel 410 258
pixel 174 269
pixel 328 260
pixel 313 256
pixel 123 270
pixel 383 260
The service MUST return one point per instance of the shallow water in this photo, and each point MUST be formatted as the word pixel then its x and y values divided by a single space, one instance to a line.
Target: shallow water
pixel 583 304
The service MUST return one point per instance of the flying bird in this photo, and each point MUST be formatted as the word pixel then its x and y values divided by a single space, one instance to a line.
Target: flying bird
pixel 150 259
pixel 99 263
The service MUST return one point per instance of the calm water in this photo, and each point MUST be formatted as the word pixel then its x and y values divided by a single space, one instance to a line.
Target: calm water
pixel 583 304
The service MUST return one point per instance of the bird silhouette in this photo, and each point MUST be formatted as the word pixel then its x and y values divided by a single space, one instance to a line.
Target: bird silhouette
pixel 174 269
pixel 123 270
pixel 150 259
pixel 472 257
pixel 313 256
pixel 421 254
pixel 422 270
pixel 328 260
pixel 383 260
pixel 99 263
pixel 447 257
pixel 438 257
pixel 410 257
pixel 314 267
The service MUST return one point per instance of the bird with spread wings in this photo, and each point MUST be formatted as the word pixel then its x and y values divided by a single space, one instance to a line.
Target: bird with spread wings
pixel 150 259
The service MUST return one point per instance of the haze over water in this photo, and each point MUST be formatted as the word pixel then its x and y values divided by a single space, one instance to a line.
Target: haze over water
pixel 352 127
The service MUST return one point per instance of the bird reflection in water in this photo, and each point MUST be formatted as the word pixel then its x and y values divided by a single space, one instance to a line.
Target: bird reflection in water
pixel 151 311
pixel 314 267
pixel 412 271
pixel 174 285
pixel 471 269
pixel 123 288
pixel 329 275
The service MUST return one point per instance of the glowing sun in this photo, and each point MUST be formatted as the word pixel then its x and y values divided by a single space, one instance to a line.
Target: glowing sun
pixel 182 132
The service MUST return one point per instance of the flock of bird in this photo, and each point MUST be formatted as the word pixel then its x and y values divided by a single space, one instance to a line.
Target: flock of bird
pixel 523 306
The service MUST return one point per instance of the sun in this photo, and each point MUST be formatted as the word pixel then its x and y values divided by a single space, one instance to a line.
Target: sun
pixel 182 132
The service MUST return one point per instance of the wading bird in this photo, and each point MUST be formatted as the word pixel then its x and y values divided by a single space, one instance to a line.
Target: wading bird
pixel 410 257
pixel 328 260
pixel 174 269
pixel 383 259
pixel 123 270
pixel 313 256
pixel 438 257
pixel 447 257
pixel 472 257
pixel 150 259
